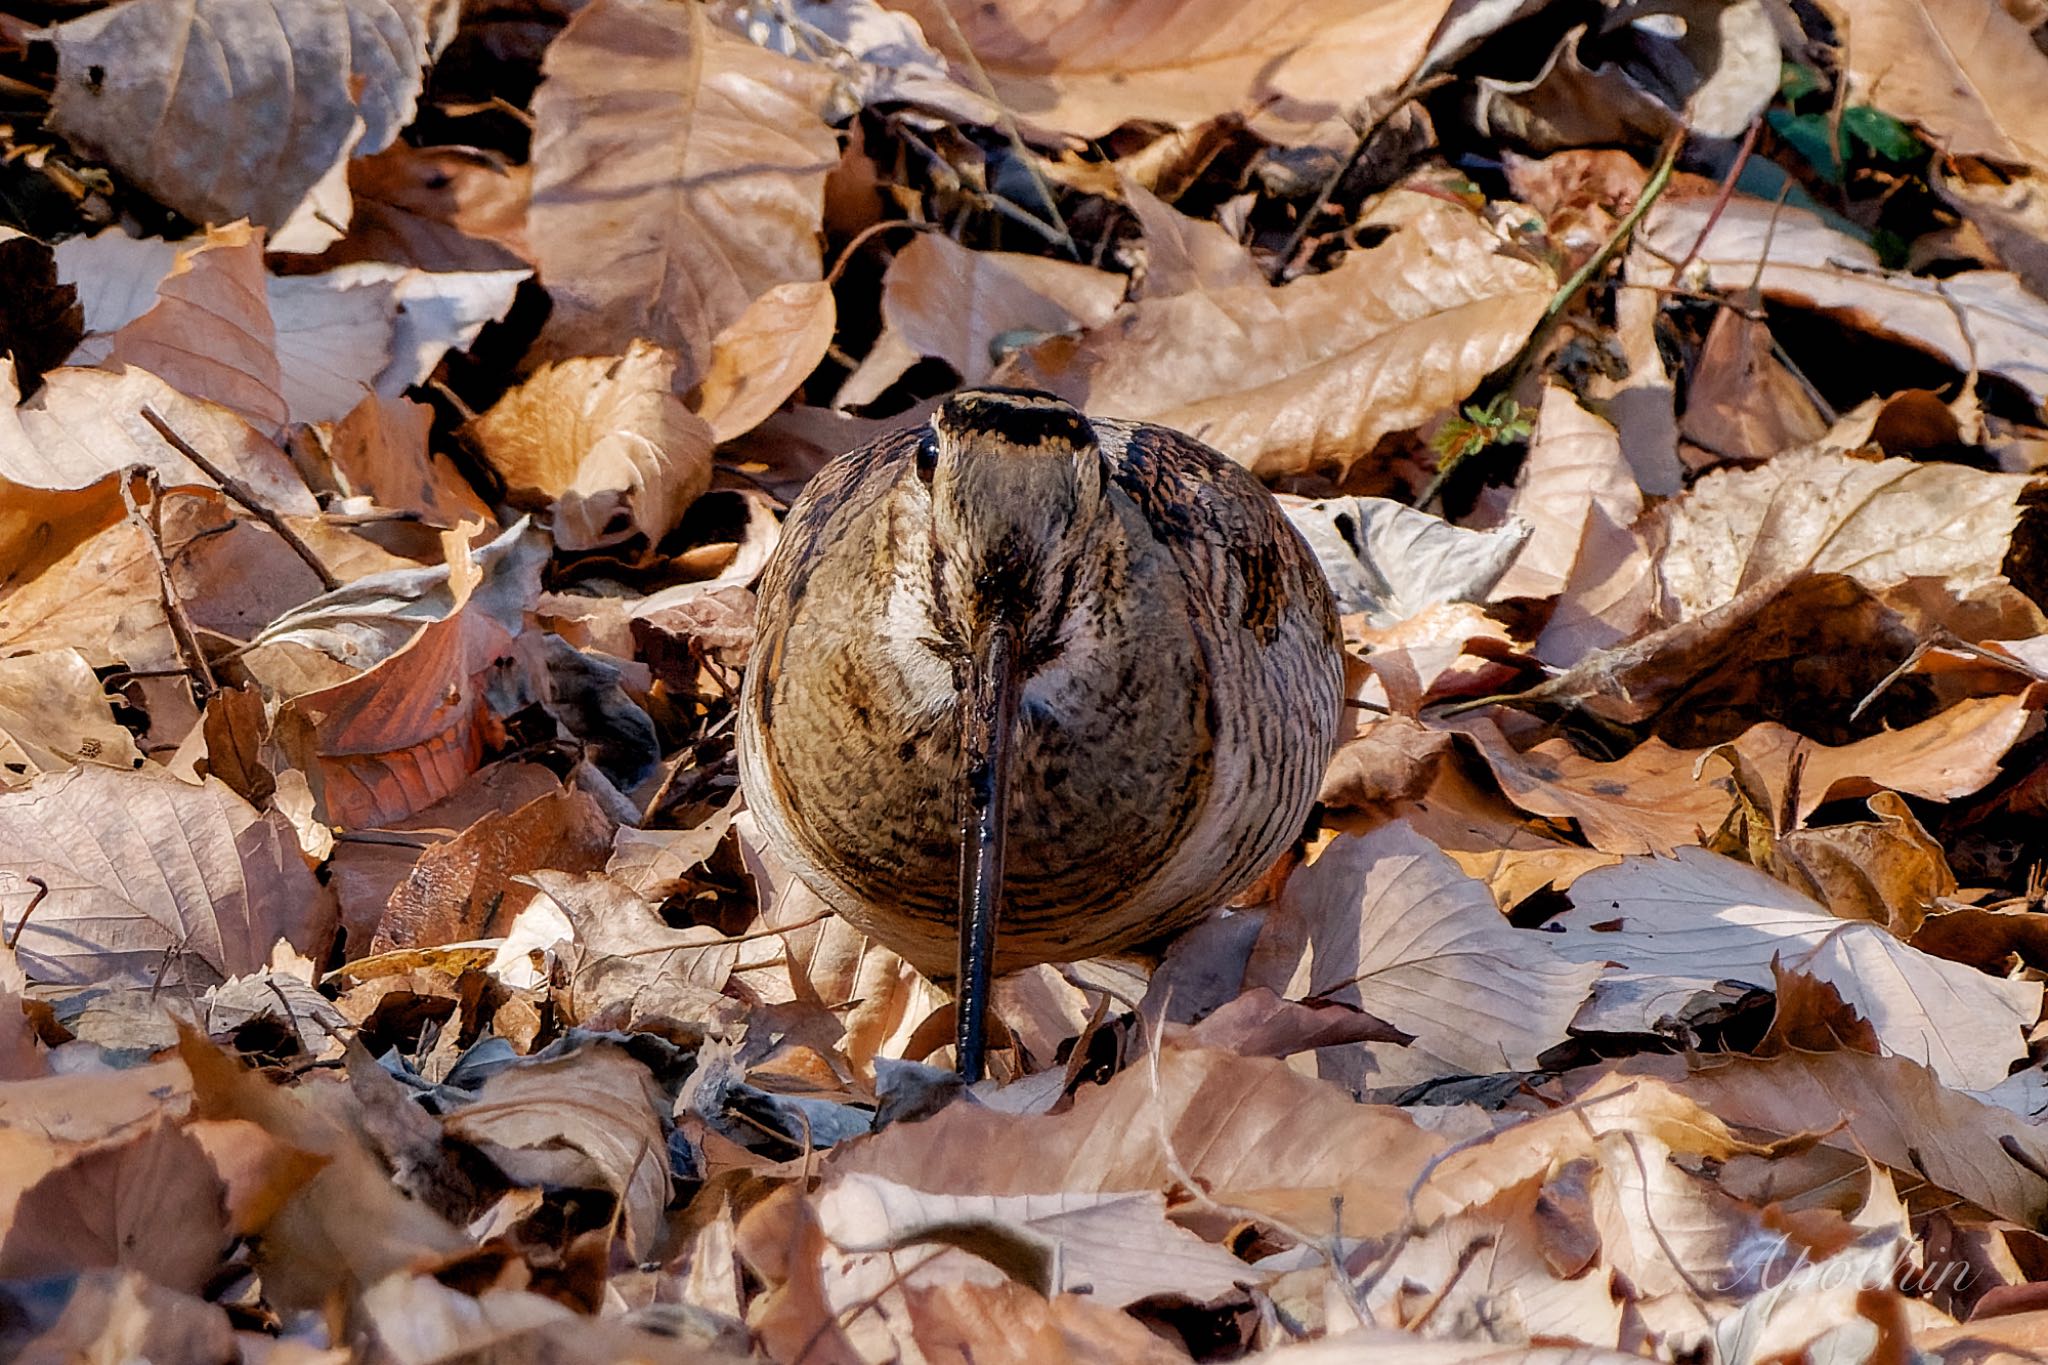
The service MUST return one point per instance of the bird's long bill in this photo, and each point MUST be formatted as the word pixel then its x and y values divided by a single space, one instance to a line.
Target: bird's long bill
pixel 987 735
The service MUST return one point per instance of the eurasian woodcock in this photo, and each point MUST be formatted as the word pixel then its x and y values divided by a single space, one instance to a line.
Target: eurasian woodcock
pixel 1076 675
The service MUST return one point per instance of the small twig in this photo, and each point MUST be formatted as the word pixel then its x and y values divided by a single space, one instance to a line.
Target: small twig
pixel 1653 188
pixel 182 630
pixel 244 495
pixel 42 889
pixel 1398 101
pixel 1016 136
pixel 1720 200
pixel 862 238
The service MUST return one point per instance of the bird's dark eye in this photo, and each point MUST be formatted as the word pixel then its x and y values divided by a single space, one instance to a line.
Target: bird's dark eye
pixel 928 457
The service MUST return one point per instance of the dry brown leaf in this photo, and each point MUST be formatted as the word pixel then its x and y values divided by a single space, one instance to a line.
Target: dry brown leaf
pixel 1390 762
pixel 1889 871
pixel 53 714
pixel 1887 1107
pixel 151 879
pixel 1117 1248
pixel 149 1201
pixel 1389 924
pixel 1977 320
pixel 1966 71
pixel 1819 511
pixel 622 960
pixel 347 1226
pixel 1651 800
pixel 84 425
pixel 1087 68
pixel 1316 372
pixel 1951 755
pixel 209 333
pixel 380 448
pixel 943 301
pixel 123 1315
pixel 1686 923
pixel 467 889
pixel 1743 404
pixel 764 355
pixel 715 206
pixel 585 1118
pixel 227 109
pixel 1802 653
pixel 1574 468
pixel 436 208
pixel 1252 1133
pixel 605 442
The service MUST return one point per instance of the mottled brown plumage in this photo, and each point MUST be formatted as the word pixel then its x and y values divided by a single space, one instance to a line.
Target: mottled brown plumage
pixel 1175 680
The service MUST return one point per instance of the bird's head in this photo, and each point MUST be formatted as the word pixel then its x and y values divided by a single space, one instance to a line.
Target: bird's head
pixel 1016 484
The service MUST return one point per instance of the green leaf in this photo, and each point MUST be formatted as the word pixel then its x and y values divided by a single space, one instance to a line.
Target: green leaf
pixel 1807 134
pixel 1884 135
pixel 1795 82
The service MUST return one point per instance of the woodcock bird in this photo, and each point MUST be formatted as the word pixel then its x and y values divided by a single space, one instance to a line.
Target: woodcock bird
pixel 1075 675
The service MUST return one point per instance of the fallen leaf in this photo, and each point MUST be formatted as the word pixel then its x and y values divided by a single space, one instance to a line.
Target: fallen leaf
pixel 467 888
pixel 1232 1123
pixel 586 1117
pixel 764 355
pixel 1085 69
pixel 1651 800
pixel 1879 1106
pixel 969 308
pixel 1389 924
pixel 1117 1248
pixel 701 220
pixel 621 956
pixel 1818 511
pixel 437 209
pixel 1697 918
pixel 1574 470
pixel 301 91
pixel 605 442
pixel 1392 562
pixel 1966 72
pixel 1976 320
pixel 1311 374
pixel 53 714
pixel 150 880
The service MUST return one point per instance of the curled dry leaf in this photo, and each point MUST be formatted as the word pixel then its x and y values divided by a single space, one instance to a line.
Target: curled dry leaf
pixel 53 715
pixel 1977 320
pixel 699 160
pixel 380 449
pixel 209 332
pixel 1087 68
pixel 1230 1122
pixel 300 90
pixel 1314 373
pixel 150 879
pixel 147 1201
pixel 1880 522
pixel 1880 1106
pixel 436 208
pixel 1651 800
pixel 466 888
pixel 943 301
pixel 1698 919
pixel 1389 924
pixel 764 356
pixel 605 441
pixel 1391 562
pixel 1116 1247
pixel 621 957
pixel 1966 71
pixel 587 1117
